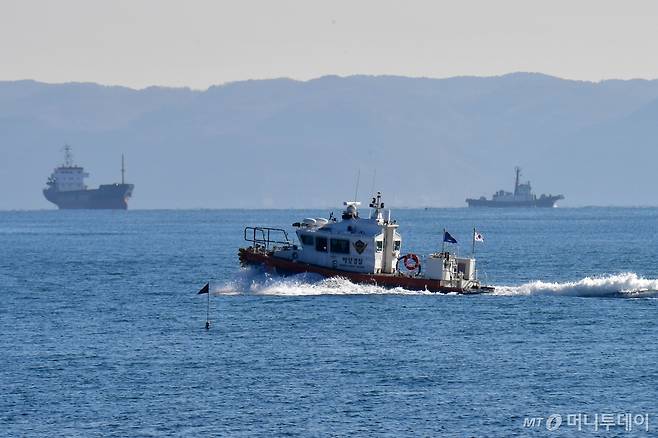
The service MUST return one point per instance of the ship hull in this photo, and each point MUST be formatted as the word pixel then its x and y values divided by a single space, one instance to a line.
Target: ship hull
pixel 547 202
pixel 287 267
pixel 107 196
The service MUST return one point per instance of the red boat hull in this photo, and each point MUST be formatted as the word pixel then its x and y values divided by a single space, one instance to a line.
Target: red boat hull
pixel 249 256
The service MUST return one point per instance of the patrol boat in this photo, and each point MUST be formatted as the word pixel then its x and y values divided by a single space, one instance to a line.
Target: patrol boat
pixel 363 250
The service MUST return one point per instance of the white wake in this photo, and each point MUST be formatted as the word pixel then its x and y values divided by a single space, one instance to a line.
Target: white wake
pixel 256 282
pixel 627 284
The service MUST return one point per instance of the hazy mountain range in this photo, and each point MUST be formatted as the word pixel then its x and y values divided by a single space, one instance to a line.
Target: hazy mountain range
pixel 285 143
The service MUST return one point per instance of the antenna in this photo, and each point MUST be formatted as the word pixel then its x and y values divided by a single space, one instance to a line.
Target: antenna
pixel 356 190
pixel 123 170
pixel 374 177
pixel 372 191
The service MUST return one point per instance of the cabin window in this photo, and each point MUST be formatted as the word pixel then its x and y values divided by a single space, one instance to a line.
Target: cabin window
pixel 396 245
pixel 321 244
pixel 306 239
pixel 380 246
pixel 340 246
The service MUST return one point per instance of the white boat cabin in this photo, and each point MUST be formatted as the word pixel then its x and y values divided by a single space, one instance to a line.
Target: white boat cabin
pixel 68 177
pixel 354 244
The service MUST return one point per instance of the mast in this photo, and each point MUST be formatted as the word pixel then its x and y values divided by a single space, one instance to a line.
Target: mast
pixel 517 169
pixel 68 156
pixel 356 189
pixel 123 170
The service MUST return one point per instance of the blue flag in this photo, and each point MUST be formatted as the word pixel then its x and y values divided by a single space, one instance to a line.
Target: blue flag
pixel 448 238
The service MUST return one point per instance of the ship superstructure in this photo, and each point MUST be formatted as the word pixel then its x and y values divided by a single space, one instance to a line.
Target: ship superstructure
pixel 363 250
pixel 67 189
pixel 521 197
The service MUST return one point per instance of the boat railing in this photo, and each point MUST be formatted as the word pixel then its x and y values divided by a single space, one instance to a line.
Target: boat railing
pixel 266 237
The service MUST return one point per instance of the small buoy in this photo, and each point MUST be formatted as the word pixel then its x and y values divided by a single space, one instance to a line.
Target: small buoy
pixel 207 325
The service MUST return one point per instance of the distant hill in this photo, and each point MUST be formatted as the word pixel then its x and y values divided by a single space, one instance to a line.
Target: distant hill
pixel 284 143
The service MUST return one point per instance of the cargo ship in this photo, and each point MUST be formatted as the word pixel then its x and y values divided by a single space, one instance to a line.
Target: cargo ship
pixel 362 250
pixel 67 190
pixel 522 197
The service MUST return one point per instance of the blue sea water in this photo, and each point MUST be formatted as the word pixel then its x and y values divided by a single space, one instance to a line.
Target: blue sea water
pixel 102 331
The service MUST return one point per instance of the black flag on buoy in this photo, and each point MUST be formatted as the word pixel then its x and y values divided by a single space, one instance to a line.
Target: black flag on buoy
pixel 206 290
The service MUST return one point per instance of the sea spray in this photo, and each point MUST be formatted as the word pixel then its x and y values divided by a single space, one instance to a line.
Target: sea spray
pixel 627 284
pixel 258 282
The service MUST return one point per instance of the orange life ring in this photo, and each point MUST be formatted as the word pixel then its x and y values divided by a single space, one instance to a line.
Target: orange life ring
pixel 411 262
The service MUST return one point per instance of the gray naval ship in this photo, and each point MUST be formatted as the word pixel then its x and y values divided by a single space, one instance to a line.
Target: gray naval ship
pixel 522 197
pixel 67 190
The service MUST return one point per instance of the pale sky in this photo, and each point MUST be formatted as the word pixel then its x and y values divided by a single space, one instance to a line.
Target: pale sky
pixel 191 43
